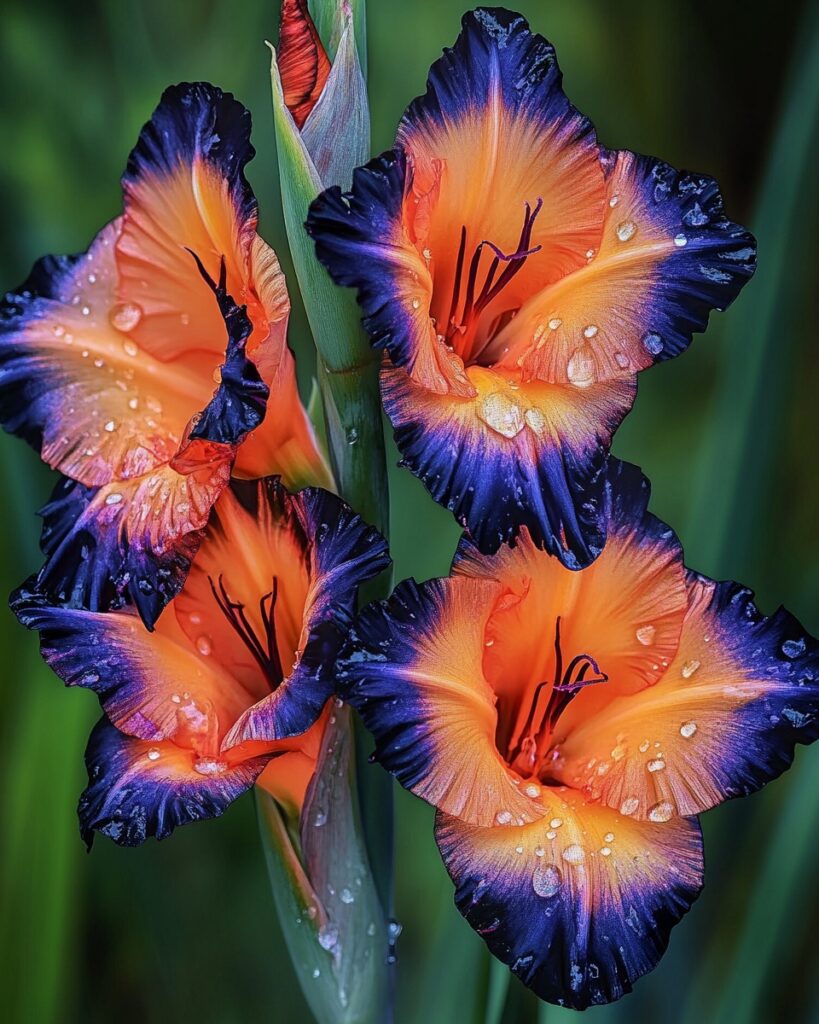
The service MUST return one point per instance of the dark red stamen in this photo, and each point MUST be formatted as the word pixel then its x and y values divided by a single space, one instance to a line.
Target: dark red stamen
pixel 266 651
pixel 543 715
pixel 475 304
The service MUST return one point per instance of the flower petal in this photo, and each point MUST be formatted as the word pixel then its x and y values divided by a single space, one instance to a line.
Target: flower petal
pixel 303 62
pixel 580 904
pixel 413 670
pixel 634 592
pixel 147 682
pixel 667 256
pixel 721 722
pixel 138 788
pixel 339 552
pixel 513 455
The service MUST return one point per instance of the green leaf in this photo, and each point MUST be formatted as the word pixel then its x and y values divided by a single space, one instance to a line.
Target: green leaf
pixel 324 892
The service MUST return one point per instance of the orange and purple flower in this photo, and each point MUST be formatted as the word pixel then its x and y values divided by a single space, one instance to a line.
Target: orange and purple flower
pixel 570 726
pixel 234 679
pixel 141 369
pixel 518 276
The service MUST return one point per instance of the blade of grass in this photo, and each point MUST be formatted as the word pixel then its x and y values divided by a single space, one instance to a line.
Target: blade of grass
pixel 735 482
pixel 499 978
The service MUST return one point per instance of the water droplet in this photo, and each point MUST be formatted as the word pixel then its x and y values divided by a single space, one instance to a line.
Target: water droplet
pixel 614 201
pixel 590 254
pixel 657 765
pixel 629 805
pixel 618 753
pixel 590 331
pixel 608 837
pixel 316 972
pixel 626 230
pixel 320 819
pixel 574 854
pixel 689 668
pixel 427 255
pixel 153 754
pixel 501 414
pixel 539 851
pixel 653 343
pixel 535 420
pixel 133 403
pixel 551 834
pixel 86 310
pixel 346 896
pixel 556 822
pixel 532 790
pixel 352 436
pixel 394 929
pixel 546 880
pixel 416 303
pixel 209 766
pixel 645 635
pixel 793 648
pixel 644 746
pixel 680 240
pixel 130 348
pixel 605 851
pixel 371 929
pixel 580 369
pixel 125 316
pixel 663 811
pixel 503 817
pixel 328 936
pixel 113 499
pixel 687 729
pixel 554 323
pixel 203 645
pixel 622 360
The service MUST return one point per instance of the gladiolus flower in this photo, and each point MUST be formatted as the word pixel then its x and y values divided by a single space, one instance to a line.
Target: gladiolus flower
pixel 570 726
pixel 141 369
pixel 518 276
pixel 233 681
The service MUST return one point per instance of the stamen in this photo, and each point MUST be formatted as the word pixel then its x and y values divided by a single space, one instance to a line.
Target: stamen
pixel 475 304
pixel 541 721
pixel 266 651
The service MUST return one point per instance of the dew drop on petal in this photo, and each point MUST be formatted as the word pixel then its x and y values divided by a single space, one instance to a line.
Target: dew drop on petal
pixel 657 765
pixel 689 668
pixel 110 426
pixel 680 240
pixel 687 730
pixel 203 645
pixel 626 230
pixel 556 822
pixel 574 854
pixel 501 414
pixel 546 880
pixel 125 316
pixel 606 851
pixel 503 817
pixel 590 331
pixel 580 369
pixel 663 811
pixel 645 635
pixel 793 648
pixel 153 754
pixel 113 499
pixel 629 805
pixel 608 837
pixel 535 420
pixel 532 790
pixel 653 343
pixel 554 323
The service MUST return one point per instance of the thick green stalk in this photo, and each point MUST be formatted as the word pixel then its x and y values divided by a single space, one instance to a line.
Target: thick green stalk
pixel 347 366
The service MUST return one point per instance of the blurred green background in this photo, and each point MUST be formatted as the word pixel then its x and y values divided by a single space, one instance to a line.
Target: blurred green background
pixel 185 930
